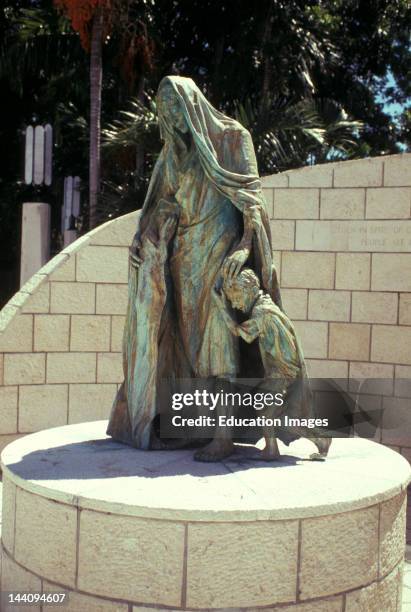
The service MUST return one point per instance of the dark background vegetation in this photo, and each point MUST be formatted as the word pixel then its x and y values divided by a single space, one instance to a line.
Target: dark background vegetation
pixel 314 81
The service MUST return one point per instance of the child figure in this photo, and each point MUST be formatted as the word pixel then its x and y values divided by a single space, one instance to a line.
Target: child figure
pixel 281 356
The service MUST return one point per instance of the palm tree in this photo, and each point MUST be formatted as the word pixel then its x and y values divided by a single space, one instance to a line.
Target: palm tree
pixel 96 77
pixel 91 19
pixel 94 20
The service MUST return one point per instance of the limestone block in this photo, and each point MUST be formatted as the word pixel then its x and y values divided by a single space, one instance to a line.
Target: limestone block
pixel 295 302
pixel 8 410
pixel 66 271
pixel 391 344
pixel 119 232
pixel 117 330
pixel 111 299
pixel 109 368
pixel 405 309
pixel 313 337
pixel 8 514
pixel 9 312
pixel 102 264
pixel 376 597
pixel 308 270
pixel 275 180
pixel 320 175
pixel 42 407
pixel 34 283
pixel 76 298
pixel 71 367
pixel 51 332
pixel 269 201
pixel 1 368
pixel 359 173
pixel 282 234
pixel 78 602
pixel 354 235
pixel 16 578
pixel 15 302
pixel 150 609
pixel 330 604
pixel 374 307
pixel 329 305
pixel 397 170
pixel 396 430
pixel 342 203
pixel 392 532
pixel 349 341
pixel 90 402
pixel 380 374
pixel 46 537
pixel 39 300
pixel 338 552
pixel 296 203
pixel 146 558
pixel 6 439
pixel 24 369
pixel 266 573
pixel 402 384
pixel 391 272
pixel 18 335
pixel 353 271
pixel 277 255
pixel 321 368
pixel 90 333
pixel 388 203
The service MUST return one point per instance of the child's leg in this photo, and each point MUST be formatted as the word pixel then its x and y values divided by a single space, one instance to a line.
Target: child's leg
pixel 323 445
pixel 271 452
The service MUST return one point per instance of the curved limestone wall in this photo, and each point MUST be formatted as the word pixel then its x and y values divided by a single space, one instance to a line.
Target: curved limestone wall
pixel 342 236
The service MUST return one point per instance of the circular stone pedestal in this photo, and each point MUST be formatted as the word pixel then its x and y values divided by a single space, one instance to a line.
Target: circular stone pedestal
pixel 121 529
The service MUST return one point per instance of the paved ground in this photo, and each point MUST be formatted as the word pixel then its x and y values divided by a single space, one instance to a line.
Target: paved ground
pixel 406 592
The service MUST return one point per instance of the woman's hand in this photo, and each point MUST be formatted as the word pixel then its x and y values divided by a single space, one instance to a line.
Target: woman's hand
pixel 135 250
pixel 234 262
pixel 254 217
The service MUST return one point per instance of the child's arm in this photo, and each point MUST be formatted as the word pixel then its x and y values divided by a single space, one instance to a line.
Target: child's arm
pixel 221 302
pixel 248 330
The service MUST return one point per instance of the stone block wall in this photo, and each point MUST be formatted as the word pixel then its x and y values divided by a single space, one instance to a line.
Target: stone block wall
pixel 342 234
pixel 342 239
pixel 61 335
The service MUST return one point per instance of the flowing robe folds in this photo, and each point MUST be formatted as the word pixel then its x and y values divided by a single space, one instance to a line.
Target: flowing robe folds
pixel 173 329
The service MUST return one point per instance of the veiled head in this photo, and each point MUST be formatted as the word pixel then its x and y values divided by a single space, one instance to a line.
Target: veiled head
pixel 169 108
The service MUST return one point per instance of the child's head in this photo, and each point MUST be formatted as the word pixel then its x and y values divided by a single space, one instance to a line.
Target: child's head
pixel 242 290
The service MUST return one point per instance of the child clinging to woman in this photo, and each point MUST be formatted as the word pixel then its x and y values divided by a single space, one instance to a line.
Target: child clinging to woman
pixel 281 357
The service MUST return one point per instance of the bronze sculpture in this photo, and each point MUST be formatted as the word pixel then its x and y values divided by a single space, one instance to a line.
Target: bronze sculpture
pixel 281 355
pixel 202 220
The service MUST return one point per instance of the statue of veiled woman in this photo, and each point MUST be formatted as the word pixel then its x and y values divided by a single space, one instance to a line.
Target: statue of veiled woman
pixel 198 223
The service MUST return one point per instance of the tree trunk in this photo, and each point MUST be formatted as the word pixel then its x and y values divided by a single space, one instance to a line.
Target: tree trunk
pixel 266 85
pixel 96 72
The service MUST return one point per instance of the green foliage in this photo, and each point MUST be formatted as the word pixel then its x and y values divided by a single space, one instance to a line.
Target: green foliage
pixel 309 78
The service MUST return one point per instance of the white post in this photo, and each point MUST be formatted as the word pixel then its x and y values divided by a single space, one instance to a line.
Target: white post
pixel 69 237
pixel 35 239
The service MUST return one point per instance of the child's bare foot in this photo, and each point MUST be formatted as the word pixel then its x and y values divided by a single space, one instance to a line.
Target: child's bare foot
pixel 265 455
pixel 271 452
pixel 323 445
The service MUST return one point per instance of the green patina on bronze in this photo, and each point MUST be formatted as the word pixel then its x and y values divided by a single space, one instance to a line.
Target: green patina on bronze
pixel 203 219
